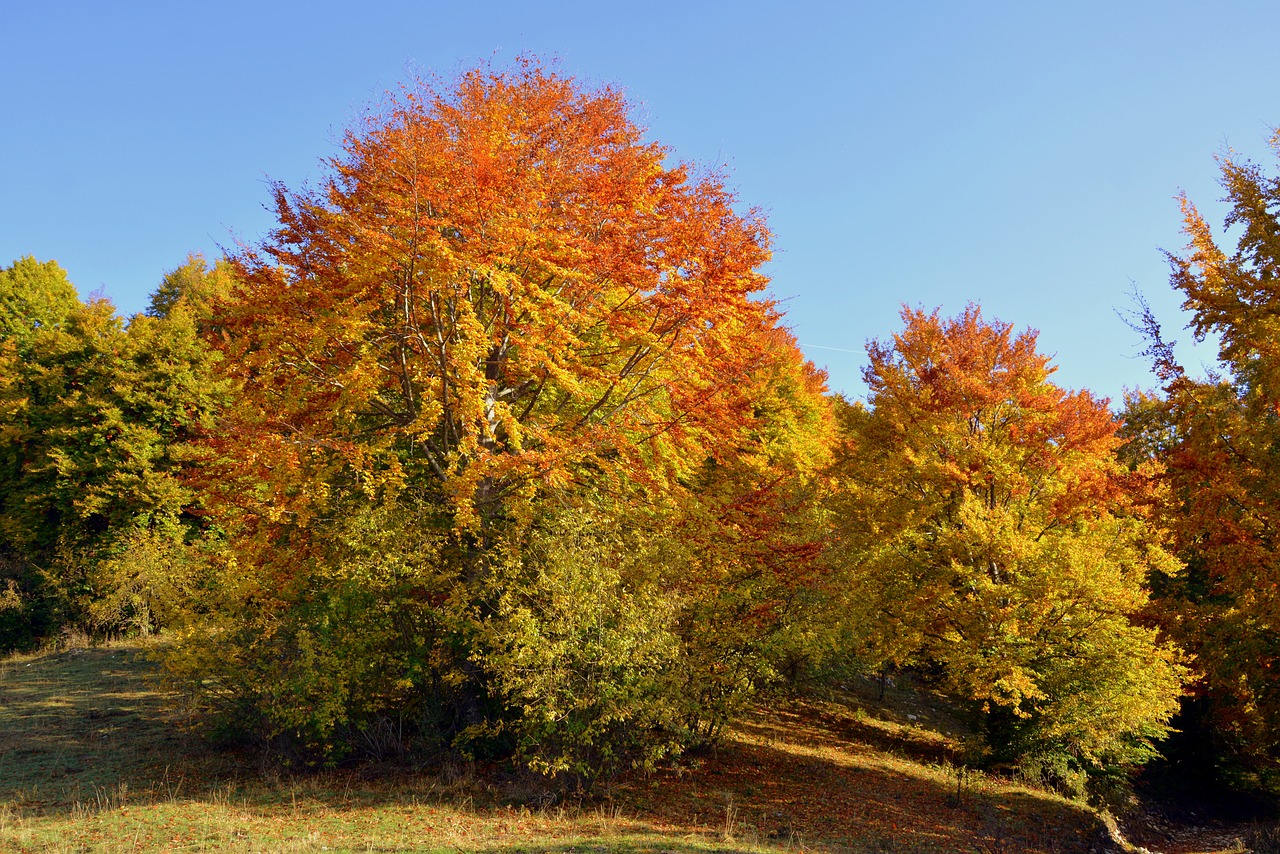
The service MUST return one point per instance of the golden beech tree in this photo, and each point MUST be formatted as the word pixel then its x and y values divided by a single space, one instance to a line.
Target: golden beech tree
pixel 503 309
pixel 986 528
pixel 750 528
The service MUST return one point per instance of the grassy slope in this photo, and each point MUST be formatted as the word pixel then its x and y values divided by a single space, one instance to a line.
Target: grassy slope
pixel 92 759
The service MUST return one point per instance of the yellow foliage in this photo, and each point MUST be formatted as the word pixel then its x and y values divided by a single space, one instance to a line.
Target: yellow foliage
pixel 986 526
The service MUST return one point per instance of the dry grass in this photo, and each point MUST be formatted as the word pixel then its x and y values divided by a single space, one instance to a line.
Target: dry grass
pixel 817 774
pixel 92 759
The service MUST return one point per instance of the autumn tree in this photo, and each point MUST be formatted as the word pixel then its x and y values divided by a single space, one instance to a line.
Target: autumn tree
pixel 92 414
pixel 987 530
pixel 501 311
pixel 1217 437
pixel 193 288
pixel 34 295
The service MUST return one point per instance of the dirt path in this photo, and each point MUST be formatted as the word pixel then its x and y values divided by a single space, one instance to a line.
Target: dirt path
pixel 1161 835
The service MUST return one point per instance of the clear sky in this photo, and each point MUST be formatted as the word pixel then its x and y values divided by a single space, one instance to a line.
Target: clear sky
pixel 1023 155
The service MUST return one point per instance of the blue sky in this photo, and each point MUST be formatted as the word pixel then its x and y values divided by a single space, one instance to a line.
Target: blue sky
pixel 1022 155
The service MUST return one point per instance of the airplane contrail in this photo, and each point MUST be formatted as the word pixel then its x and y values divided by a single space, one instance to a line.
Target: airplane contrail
pixel 837 349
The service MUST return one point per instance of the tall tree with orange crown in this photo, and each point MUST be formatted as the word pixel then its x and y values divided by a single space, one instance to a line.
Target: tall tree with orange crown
pixel 1218 438
pixel 497 286
pixel 501 306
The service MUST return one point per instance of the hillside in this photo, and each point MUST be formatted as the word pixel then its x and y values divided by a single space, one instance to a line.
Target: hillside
pixel 92 758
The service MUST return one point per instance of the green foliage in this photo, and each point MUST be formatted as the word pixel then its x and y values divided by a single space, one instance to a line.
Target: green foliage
pixel 194 287
pixel 91 434
pixel 27 613
pixel 92 417
pixel 34 296
pixel 305 662
pixel 569 650
pixel 581 649
pixel 148 579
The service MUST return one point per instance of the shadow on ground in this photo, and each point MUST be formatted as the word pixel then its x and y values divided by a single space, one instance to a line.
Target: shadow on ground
pixel 88 731
pixel 77 723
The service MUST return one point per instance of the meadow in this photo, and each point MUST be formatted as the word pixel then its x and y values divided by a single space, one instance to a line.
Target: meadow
pixel 96 756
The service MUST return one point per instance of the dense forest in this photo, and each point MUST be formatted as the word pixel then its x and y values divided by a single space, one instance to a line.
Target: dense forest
pixel 496 448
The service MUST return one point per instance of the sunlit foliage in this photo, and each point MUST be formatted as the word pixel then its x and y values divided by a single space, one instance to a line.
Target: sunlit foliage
pixel 92 414
pixel 497 376
pixel 1218 438
pixel 986 529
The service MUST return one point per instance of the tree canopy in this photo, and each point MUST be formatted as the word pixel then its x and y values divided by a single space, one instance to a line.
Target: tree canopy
pixel 497 286
pixel 496 443
pixel 1218 437
pixel 986 527
pixel 34 295
pixel 502 309
pixel 93 412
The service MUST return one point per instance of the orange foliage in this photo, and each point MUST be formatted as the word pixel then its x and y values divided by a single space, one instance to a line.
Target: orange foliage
pixel 499 285
pixel 1217 438
pixel 507 376
pixel 999 426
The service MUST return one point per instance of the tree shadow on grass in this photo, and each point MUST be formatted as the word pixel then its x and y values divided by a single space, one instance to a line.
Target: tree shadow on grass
pixel 77 723
pixel 805 775
pixel 850 726
pixel 88 726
